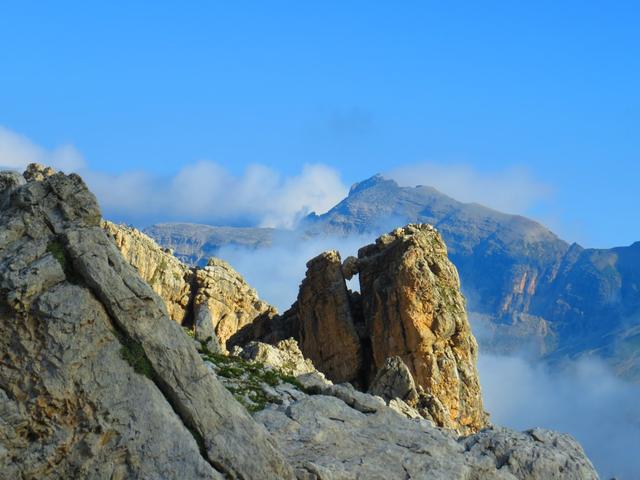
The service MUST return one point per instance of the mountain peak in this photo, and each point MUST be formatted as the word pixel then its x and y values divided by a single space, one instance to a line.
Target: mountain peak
pixel 377 179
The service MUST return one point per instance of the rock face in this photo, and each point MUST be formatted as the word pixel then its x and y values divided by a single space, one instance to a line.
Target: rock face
pixel 324 438
pixel 327 329
pixel 95 380
pixel 225 301
pixel 215 300
pixel 413 309
pixel 168 277
pixel 410 307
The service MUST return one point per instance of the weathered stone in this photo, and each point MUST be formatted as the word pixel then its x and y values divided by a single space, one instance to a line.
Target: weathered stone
pixel 350 267
pixel 328 334
pixel 394 380
pixel 36 172
pixel 284 356
pixel 322 436
pixel 228 300
pixel 215 300
pixel 164 273
pixel 95 380
pixel 413 308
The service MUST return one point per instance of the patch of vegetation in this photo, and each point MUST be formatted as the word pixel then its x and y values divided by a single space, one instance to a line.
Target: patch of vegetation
pixel 56 249
pixel 133 353
pixel 244 379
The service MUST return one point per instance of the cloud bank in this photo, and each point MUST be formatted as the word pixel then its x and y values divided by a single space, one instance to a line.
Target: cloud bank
pixel 199 192
pixel 514 190
pixel 583 398
pixel 206 192
pixel 17 151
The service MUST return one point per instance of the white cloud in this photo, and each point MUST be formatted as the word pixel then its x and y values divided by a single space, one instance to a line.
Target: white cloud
pixel 513 190
pixel 207 192
pixel 200 192
pixel 583 398
pixel 17 151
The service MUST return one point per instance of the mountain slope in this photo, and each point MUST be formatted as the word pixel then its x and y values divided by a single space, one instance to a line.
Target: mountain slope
pixel 525 282
pixel 525 287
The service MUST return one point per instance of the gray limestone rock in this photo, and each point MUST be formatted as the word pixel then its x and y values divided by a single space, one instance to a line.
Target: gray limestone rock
pixel 394 380
pixel 95 380
pixel 325 439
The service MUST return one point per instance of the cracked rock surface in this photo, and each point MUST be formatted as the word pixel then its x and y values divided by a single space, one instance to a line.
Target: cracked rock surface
pixel 95 380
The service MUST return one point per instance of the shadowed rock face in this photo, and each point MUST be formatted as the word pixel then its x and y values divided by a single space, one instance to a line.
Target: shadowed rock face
pixel 95 380
pixel 327 329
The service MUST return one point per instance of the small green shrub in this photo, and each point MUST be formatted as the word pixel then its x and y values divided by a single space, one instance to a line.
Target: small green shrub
pixel 56 249
pixel 133 353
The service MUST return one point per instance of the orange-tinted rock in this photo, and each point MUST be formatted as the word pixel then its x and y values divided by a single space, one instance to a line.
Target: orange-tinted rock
pixel 328 334
pixel 413 309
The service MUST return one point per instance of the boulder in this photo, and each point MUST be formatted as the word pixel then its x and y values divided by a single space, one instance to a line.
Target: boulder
pixel 284 356
pixel 394 381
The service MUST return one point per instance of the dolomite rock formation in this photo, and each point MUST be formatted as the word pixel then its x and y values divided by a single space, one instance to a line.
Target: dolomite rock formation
pixel 413 309
pixel 164 273
pixel 225 301
pixel 95 380
pixel 215 300
pixel 409 307
pixel 328 334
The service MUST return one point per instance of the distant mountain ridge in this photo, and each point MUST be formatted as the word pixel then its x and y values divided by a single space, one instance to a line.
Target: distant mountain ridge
pixel 524 285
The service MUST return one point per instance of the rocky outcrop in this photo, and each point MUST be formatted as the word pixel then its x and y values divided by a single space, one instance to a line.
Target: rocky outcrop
pixel 224 301
pixel 325 438
pixel 334 432
pixel 164 273
pixel 413 309
pixel 409 307
pixel 327 329
pixel 95 380
pixel 214 300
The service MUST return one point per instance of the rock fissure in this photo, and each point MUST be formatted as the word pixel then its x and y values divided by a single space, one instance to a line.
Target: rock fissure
pixel 134 354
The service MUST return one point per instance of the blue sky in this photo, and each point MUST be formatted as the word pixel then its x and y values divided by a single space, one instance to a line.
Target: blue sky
pixel 545 88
